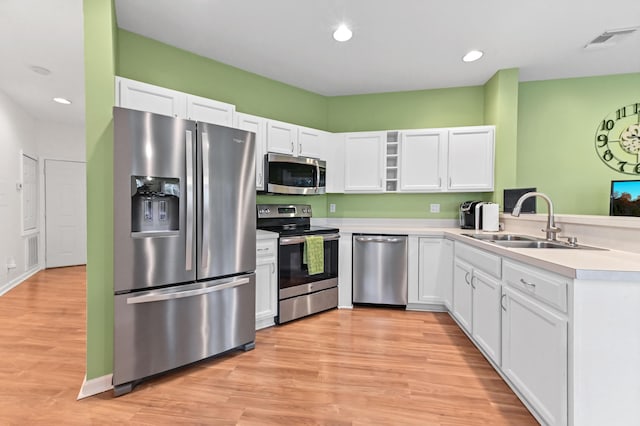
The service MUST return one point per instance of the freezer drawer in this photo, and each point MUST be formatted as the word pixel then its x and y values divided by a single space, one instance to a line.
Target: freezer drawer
pixel 159 330
pixel 380 269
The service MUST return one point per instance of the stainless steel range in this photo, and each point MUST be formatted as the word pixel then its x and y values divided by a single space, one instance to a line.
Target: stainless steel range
pixel 301 293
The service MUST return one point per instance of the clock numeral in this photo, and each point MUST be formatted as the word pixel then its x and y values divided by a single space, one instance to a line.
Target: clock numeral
pixel 636 169
pixel 621 113
pixel 621 164
pixel 604 139
pixel 608 155
pixel 636 108
pixel 607 125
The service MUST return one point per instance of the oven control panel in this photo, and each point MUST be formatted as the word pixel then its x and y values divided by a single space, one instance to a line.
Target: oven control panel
pixel 283 210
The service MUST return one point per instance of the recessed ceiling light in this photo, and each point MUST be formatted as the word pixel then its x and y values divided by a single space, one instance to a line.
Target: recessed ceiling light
pixel 62 101
pixel 40 70
pixel 473 55
pixel 343 33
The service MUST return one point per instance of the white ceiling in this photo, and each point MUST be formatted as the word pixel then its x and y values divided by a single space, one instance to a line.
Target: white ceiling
pixel 397 45
pixel 46 33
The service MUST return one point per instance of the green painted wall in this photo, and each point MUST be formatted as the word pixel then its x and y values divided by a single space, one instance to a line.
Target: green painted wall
pixel 557 122
pixel 99 47
pixel 144 59
pixel 501 110
pixel 461 106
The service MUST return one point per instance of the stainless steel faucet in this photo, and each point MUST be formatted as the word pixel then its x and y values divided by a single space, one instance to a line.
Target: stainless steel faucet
pixel 551 230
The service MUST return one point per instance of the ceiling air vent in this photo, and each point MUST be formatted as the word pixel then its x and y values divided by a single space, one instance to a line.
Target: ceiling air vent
pixel 609 38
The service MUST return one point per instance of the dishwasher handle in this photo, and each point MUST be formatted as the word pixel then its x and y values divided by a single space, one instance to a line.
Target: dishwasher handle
pixel 380 239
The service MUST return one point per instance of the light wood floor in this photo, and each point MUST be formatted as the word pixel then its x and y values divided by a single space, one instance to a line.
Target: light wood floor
pixel 362 367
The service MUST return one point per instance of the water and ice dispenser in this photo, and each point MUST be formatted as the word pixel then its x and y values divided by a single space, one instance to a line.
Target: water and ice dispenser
pixel 155 204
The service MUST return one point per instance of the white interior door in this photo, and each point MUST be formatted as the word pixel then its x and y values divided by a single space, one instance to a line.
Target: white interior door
pixel 65 213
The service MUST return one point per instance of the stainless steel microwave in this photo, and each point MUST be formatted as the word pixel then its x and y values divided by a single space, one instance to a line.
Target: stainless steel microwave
pixel 285 174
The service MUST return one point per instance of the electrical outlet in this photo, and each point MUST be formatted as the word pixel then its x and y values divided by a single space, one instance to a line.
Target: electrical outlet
pixel 332 208
pixel 434 208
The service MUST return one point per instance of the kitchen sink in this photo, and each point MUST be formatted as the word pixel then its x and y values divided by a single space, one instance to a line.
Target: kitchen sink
pixel 541 244
pixel 525 241
pixel 501 237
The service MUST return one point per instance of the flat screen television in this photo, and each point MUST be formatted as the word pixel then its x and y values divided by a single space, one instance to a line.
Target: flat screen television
pixel 625 198
pixel 511 196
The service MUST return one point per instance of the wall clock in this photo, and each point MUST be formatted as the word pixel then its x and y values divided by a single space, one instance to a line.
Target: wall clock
pixel 618 139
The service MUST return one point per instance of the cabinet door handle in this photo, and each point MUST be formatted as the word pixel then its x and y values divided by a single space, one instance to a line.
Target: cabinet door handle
pixel 263 249
pixel 259 178
pixel 528 284
pixel 501 304
pixel 472 284
pixel 466 278
pixel 273 268
pixel 292 148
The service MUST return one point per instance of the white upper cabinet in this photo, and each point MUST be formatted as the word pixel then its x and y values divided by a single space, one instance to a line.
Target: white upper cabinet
pixel 471 154
pixel 147 97
pixel 282 138
pixel 364 161
pixel 334 155
pixel 426 160
pixel 311 142
pixel 257 125
pixel 289 139
pixel 159 100
pixel 422 160
pixel 209 111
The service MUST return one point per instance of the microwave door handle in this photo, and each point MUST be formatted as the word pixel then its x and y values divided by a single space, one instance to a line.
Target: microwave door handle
pixel 189 194
pixel 317 175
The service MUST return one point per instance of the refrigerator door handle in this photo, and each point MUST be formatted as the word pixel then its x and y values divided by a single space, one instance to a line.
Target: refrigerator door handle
pixel 158 297
pixel 206 226
pixel 189 193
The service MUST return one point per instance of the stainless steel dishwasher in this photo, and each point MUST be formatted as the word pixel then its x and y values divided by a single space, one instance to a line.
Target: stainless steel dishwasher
pixel 380 269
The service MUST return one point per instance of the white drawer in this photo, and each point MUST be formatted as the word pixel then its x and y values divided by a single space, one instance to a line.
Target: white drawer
pixel 542 285
pixel 487 262
pixel 266 248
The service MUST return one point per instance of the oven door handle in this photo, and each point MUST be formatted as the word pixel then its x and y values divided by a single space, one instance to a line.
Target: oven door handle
pixel 297 240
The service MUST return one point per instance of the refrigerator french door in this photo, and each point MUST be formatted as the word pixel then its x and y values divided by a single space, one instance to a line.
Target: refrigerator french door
pixel 184 243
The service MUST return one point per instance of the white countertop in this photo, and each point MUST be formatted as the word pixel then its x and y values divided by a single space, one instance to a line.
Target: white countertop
pixel 582 264
pixel 265 235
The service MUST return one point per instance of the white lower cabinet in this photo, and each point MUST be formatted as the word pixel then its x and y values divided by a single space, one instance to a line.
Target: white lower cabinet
pixel 435 269
pixel 462 274
pixel 476 297
pixel 534 339
pixel 534 355
pixel 485 314
pixel 266 282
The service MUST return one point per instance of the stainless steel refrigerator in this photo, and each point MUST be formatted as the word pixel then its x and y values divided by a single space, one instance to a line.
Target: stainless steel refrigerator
pixel 184 243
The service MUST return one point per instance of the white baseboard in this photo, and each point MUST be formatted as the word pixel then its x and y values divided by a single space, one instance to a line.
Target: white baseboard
pixel 95 386
pixel 14 282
